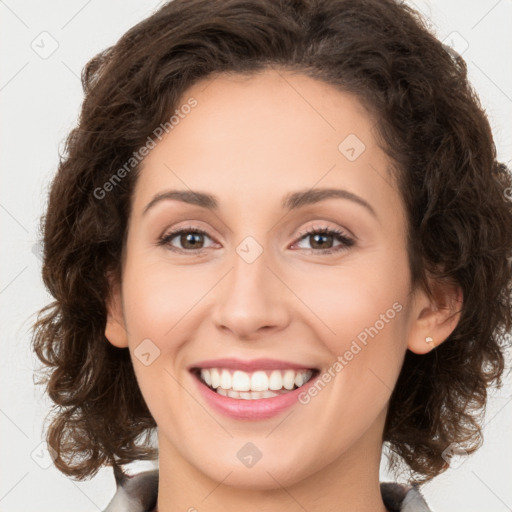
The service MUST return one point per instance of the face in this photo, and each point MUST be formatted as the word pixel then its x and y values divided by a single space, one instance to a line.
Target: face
pixel 255 281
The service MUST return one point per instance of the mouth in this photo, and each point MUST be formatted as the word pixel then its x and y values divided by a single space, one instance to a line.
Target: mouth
pixel 253 385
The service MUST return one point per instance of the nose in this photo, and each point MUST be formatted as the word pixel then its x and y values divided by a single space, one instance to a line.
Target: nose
pixel 252 300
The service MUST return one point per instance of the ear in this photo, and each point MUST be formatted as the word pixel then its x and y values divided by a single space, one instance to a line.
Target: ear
pixel 115 328
pixel 435 316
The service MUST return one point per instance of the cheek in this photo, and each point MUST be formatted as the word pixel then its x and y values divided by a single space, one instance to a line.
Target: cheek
pixel 359 293
pixel 159 303
pixel 360 309
pixel 158 295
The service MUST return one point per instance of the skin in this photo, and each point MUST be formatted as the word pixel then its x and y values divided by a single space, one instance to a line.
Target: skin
pixel 250 141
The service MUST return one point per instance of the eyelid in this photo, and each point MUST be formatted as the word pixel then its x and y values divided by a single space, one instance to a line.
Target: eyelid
pixel 325 228
pixel 347 240
pixel 173 233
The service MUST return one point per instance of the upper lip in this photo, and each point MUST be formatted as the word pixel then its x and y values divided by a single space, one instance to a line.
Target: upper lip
pixel 248 366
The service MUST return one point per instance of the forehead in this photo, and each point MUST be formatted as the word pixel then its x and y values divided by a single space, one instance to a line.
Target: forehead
pixel 254 138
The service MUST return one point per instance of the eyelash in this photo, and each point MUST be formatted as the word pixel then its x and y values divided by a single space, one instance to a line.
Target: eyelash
pixel 346 242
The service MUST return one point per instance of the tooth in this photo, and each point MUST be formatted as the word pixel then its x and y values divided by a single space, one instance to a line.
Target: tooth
pixel 222 391
pixel 259 381
pixel 241 381
pixel 250 395
pixel 233 394
pixel 215 375
pixel 302 377
pixel 268 394
pixel 225 379
pixel 275 381
pixel 205 375
pixel 289 379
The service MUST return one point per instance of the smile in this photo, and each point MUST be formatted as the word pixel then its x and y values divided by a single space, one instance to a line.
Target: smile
pixel 253 385
pixel 252 396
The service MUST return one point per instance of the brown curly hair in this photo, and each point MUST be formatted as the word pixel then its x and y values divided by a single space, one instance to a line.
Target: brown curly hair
pixel 430 123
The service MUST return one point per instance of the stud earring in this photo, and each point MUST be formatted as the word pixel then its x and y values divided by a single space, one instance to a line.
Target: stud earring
pixel 429 339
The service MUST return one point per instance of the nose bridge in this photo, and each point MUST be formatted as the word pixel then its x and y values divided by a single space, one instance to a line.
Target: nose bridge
pixel 250 297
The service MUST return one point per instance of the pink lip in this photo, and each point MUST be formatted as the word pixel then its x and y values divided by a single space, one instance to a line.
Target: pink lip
pixel 251 410
pixel 249 366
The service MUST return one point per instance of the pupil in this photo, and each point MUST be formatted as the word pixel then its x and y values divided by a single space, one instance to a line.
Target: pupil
pixel 189 238
pixel 316 236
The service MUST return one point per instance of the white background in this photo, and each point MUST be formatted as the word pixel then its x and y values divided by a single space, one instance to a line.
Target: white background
pixel 40 99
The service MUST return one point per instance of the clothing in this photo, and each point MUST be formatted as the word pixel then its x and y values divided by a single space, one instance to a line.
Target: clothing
pixel 138 493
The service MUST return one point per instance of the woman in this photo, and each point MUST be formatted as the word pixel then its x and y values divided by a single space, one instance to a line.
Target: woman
pixel 280 235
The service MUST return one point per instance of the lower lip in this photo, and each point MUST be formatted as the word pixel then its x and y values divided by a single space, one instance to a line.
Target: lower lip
pixel 251 410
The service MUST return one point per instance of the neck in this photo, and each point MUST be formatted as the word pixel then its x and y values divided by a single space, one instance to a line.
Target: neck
pixel 346 483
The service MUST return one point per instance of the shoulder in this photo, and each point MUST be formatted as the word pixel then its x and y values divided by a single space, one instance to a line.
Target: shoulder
pixel 134 493
pixel 138 493
pixel 403 498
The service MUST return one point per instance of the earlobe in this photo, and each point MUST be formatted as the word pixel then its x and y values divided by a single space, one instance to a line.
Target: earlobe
pixel 115 329
pixel 435 318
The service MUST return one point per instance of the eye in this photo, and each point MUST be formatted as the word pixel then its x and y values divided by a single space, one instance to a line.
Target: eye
pixel 189 238
pixel 322 238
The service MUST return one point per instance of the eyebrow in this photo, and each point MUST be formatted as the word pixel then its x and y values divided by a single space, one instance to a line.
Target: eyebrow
pixel 186 196
pixel 291 201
